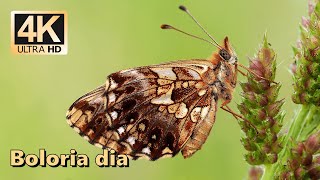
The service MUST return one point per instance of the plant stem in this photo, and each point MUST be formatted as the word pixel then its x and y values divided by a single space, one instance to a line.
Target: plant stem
pixel 298 123
pixel 268 172
pixel 296 126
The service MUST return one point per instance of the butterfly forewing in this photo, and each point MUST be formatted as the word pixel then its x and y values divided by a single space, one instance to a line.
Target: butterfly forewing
pixel 149 112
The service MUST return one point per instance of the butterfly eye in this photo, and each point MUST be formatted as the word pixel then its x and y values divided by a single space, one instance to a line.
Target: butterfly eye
pixel 224 54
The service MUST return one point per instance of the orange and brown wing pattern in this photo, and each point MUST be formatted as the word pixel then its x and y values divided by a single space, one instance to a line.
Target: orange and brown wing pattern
pixel 149 112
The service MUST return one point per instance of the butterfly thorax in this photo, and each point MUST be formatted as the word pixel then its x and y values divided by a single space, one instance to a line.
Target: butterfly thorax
pixel 222 78
pixel 225 62
pixel 226 81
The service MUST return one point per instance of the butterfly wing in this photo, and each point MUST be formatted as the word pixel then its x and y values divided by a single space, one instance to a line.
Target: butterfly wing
pixel 206 115
pixel 149 112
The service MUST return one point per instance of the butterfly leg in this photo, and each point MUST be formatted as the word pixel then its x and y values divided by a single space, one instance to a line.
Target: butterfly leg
pixel 255 74
pixel 230 110
pixel 241 72
pixel 225 107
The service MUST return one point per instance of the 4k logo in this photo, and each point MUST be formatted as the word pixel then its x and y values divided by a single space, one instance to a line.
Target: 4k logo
pixel 39 32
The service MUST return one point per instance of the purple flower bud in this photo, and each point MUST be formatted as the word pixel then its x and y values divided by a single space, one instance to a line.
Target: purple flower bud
pixel 285 175
pixel 273 109
pixel 313 143
pixel 307 160
pixel 257 67
pixel 293 68
pixel 314 172
pixel 299 173
pixel 262 114
pixel 271 121
pixel 293 164
pixel 311 6
pixel 305 22
pixel 248 145
pixel 266 148
pixel 299 44
pixel 317 160
pixel 272 158
pixel 263 100
pixel 299 149
pixel 246 87
pixel 255 173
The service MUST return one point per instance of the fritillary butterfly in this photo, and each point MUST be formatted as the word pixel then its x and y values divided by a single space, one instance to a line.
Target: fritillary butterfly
pixel 156 111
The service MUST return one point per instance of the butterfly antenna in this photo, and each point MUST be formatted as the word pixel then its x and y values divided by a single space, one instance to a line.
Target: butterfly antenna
pixel 166 26
pixel 183 8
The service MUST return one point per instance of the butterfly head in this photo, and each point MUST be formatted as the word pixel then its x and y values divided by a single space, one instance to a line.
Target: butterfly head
pixel 227 53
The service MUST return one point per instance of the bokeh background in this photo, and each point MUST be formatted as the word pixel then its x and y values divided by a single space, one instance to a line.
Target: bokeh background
pixel 107 36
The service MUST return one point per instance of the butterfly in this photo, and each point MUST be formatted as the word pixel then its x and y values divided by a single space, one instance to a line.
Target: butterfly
pixel 157 111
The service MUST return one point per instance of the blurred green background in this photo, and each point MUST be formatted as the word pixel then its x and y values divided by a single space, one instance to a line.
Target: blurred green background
pixel 107 36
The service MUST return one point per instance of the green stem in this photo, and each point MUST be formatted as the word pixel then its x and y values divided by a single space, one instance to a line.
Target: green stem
pixel 298 124
pixel 310 124
pixel 268 172
pixel 295 130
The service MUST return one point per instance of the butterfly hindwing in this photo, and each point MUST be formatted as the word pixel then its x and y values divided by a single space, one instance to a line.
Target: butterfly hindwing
pixel 85 109
pixel 149 112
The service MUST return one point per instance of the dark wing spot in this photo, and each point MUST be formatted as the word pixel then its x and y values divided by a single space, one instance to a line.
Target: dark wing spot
pixel 155 135
pixel 118 78
pixel 179 94
pixel 132 117
pixel 130 89
pixel 129 104
pixel 169 140
pixel 99 121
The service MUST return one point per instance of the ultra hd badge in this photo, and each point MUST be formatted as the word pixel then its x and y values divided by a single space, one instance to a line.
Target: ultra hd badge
pixel 39 32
